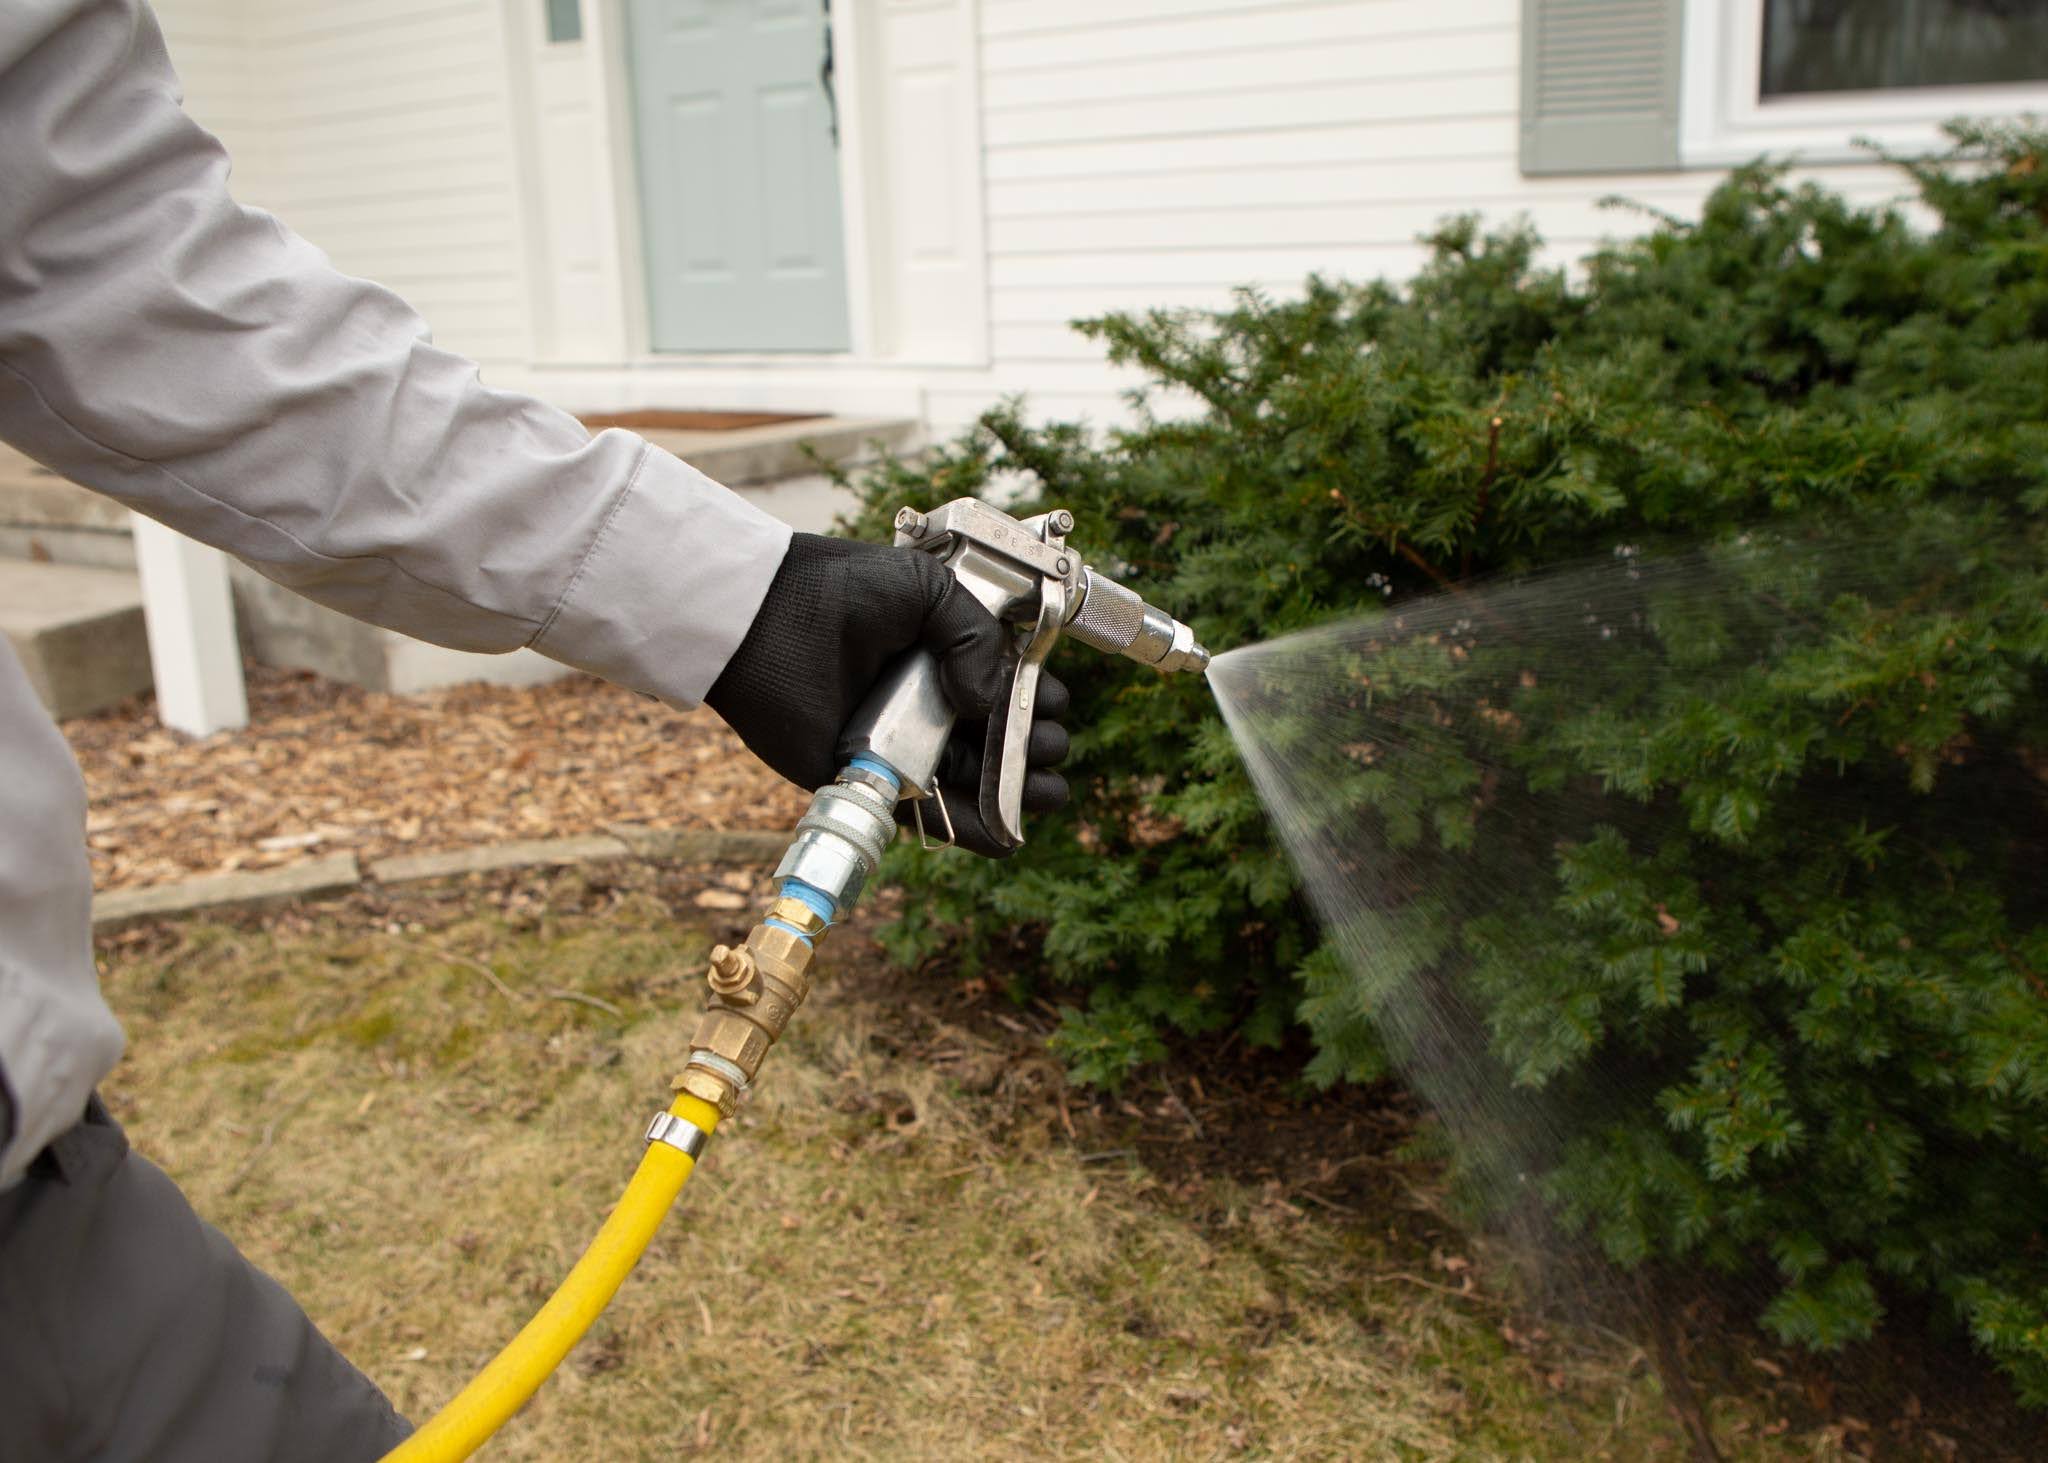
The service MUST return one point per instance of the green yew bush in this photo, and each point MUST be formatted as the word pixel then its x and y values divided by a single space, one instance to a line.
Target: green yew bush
pixel 1843 1043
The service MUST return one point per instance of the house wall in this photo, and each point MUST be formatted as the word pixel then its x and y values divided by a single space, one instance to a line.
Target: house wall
pixel 382 131
pixel 1159 152
pixel 1038 159
pixel 211 47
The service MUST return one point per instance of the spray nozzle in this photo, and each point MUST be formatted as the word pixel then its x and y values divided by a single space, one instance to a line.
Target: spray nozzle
pixel 1110 617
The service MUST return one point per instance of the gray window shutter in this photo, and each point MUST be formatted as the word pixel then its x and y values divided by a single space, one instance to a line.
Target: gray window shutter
pixel 1600 85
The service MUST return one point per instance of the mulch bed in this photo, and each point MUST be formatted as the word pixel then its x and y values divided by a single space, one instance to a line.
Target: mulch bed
pixel 325 768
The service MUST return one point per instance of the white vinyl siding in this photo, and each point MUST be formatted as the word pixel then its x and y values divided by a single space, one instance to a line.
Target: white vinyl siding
pixel 381 130
pixel 1131 153
pixel 1160 152
pixel 210 45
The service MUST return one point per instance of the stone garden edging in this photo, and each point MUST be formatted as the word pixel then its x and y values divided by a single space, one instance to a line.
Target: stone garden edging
pixel 341 873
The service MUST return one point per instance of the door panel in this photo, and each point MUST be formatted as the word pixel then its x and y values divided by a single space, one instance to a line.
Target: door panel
pixel 739 175
pixel 701 249
pixel 686 17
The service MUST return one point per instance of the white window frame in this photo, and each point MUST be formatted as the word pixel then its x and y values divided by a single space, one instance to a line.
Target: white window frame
pixel 1724 121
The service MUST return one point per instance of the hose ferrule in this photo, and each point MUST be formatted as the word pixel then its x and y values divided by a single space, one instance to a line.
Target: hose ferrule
pixel 679 1133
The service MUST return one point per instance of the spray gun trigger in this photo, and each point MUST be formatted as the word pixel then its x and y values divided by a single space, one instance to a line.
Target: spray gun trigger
pixel 917 816
pixel 1005 754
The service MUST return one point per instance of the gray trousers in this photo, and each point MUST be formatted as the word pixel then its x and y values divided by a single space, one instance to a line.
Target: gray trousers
pixel 131 1329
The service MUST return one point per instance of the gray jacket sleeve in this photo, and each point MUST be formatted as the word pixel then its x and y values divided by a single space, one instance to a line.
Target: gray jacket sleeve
pixel 201 363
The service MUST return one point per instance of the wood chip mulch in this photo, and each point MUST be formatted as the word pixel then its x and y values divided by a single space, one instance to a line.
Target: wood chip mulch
pixel 325 768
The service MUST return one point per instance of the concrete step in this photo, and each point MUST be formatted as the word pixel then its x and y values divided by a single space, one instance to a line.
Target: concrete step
pixel 772 466
pixel 79 633
pixel 47 523
pixel 745 456
pixel 49 520
pixel 45 518
pixel 31 496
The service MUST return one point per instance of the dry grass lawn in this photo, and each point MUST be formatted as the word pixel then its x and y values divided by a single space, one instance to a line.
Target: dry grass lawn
pixel 416 1116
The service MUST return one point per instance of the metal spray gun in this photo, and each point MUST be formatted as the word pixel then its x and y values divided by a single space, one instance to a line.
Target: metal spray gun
pixel 1024 574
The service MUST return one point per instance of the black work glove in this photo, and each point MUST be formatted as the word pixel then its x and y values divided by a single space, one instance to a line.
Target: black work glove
pixel 837 614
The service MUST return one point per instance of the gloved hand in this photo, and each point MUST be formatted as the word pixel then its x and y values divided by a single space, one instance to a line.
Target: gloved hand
pixel 837 614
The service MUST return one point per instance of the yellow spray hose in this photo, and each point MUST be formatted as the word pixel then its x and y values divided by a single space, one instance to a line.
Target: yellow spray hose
pixel 515 1373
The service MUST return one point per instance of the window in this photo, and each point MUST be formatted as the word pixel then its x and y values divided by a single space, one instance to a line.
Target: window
pixel 1814 46
pixel 1621 85
pixel 565 20
pixel 1808 77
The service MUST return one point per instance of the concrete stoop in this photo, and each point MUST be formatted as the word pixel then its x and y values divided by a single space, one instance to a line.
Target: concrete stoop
pixel 748 457
pixel 61 545
pixel 280 628
pixel 78 631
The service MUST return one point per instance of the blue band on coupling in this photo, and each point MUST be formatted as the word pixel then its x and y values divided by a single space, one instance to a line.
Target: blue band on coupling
pixel 880 769
pixel 812 895
pixel 817 899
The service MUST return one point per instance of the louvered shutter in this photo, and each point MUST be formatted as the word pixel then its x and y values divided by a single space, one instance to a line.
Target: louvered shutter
pixel 1600 85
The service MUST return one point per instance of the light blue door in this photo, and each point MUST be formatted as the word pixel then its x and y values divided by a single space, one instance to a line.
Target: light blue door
pixel 739 174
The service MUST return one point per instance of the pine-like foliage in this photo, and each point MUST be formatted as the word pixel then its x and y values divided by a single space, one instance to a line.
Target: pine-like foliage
pixel 1844 1039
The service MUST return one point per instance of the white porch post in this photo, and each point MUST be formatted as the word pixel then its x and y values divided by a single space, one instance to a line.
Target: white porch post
pixel 191 618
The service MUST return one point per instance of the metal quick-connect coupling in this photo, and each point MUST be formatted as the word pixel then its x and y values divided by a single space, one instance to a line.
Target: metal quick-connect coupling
pixel 840 841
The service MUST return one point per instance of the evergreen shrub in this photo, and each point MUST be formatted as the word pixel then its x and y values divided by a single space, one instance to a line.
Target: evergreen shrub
pixel 1847 1070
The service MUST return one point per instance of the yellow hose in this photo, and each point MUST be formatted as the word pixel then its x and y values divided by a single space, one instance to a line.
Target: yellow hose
pixel 516 1373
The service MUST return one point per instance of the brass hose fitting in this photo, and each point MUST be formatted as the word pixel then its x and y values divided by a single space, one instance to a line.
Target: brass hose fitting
pixel 754 992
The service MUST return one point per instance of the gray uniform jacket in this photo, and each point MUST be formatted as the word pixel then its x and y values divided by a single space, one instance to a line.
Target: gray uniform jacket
pixel 207 367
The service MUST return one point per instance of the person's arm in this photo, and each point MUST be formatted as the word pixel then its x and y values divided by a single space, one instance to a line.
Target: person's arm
pixel 206 366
